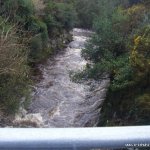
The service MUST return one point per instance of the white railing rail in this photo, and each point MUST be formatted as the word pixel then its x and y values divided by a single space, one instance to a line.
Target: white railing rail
pixel 74 138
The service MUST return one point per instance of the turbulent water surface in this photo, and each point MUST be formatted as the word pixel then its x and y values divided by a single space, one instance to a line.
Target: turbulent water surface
pixel 60 101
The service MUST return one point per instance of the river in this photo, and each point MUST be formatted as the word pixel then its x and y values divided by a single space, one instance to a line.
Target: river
pixel 62 102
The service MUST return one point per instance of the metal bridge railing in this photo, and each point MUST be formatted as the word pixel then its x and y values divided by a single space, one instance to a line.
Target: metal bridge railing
pixel 74 138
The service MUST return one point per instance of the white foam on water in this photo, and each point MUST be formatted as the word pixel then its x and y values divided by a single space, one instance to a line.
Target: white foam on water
pixel 62 102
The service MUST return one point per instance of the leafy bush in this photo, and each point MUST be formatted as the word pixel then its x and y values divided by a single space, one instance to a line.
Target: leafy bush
pixel 25 40
pixel 18 11
pixel 142 109
pixel 66 15
pixel 108 42
pixel 13 68
pixel 38 48
pixel 86 12
pixel 112 52
pixel 39 40
pixel 61 15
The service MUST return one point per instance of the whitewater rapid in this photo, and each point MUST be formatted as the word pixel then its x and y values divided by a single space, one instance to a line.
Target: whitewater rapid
pixel 62 102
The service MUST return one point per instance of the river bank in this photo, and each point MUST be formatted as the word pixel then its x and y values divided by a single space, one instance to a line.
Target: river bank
pixel 57 101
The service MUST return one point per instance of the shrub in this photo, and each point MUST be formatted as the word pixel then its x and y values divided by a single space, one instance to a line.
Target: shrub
pixel 86 12
pixel 66 15
pixel 110 40
pixel 142 109
pixel 38 48
pixel 140 54
pixel 39 40
pixel 18 11
pixel 112 52
pixel 13 68
pixel 61 15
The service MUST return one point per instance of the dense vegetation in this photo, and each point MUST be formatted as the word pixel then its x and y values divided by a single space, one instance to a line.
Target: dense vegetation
pixel 30 30
pixel 120 47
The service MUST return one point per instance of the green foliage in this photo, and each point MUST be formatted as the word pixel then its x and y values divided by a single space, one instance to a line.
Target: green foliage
pixel 13 68
pixel 142 109
pixel 13 89
pixel 18 11
pixel 39 41
pixel 36 47
pixel 22 12
pixel 25 10
pixel 108 42
pixel 65 15
pixel 86 11
pixel 27 38
pixel 60 15
pixel 128 63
